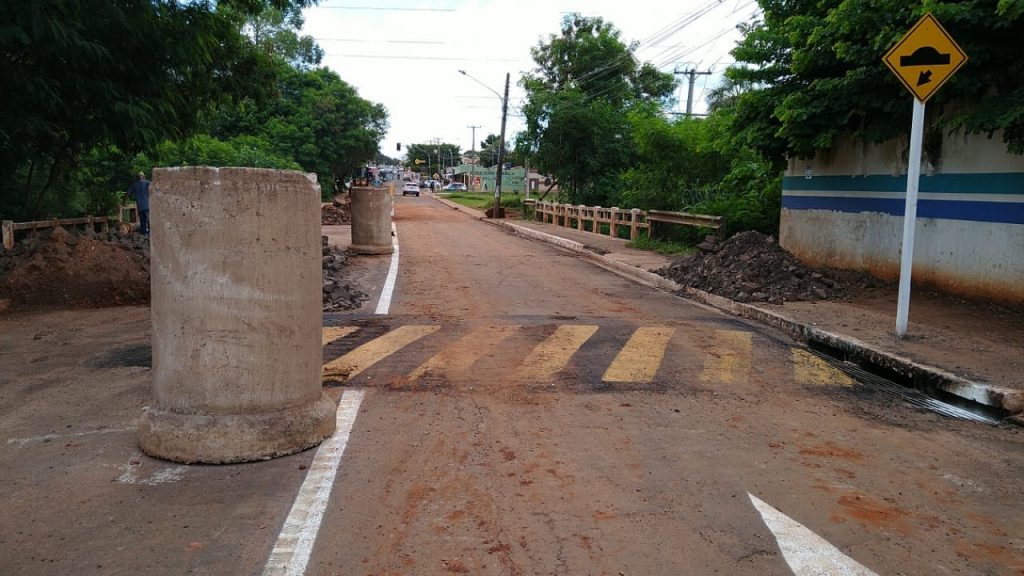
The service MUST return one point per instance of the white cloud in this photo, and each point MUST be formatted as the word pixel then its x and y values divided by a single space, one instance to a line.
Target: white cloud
pixel 406 54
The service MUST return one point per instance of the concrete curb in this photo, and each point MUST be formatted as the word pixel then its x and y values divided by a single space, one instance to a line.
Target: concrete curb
pixel 929 376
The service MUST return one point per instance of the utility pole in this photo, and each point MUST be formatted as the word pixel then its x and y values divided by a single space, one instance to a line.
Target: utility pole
pixel 501 151
pixel 472 177
pixel 692 73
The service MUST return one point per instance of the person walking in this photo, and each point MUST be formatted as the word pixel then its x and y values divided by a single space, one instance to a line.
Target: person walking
pixel 139 191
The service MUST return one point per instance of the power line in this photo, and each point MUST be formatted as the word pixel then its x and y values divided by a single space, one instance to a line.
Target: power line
pixel 388 9
pixel 380 41
pixel 438 58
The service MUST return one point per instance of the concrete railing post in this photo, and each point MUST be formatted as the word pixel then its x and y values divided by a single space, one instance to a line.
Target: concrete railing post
pixel 236 309
pixel 7 233
pixel 634 220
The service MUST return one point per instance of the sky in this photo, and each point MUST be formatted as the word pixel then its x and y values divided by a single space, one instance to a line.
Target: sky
pixel 406 54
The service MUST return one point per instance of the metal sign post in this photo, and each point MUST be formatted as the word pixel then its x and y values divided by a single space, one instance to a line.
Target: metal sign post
pixel 922 60
pixel 910 218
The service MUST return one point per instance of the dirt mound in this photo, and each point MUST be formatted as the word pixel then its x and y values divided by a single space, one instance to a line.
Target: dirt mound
pixel 752 267
pixel 335 213
pixel 58 268
pixel 62 268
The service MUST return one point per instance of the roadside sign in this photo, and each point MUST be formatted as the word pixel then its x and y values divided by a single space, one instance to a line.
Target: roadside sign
pixel 925 58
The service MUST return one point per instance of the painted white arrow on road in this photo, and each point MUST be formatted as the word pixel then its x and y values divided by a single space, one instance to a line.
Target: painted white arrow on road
pixel 806 553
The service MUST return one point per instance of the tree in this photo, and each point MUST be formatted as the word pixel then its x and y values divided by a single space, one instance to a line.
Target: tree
pixel 432 156
pixel 677 163
pixel 317 119
pixel 80 75
pixel 273 31
pixel 818 73
pixel 488 153
pixel 577 108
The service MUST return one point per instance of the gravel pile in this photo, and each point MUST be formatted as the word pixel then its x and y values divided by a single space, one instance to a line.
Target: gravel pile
pixel 752 267
pixel 338 293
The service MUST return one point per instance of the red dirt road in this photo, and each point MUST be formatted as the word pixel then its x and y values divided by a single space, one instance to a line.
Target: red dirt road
pixel 477 451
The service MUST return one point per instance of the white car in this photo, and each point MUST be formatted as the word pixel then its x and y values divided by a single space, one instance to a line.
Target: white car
pixel 410 188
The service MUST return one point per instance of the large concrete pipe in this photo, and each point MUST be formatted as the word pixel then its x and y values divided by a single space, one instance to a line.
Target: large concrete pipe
pixel 236 310
pixel 371 221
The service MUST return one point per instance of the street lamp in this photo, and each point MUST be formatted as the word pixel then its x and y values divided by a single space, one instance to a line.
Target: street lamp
pixel 451 159
pixel 501 140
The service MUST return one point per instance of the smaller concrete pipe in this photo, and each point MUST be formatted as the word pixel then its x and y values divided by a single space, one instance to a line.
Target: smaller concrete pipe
pixel 371 221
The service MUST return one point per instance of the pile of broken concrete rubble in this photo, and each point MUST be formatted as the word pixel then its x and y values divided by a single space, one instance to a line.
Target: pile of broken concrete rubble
pixel 338 293
pixel 752 267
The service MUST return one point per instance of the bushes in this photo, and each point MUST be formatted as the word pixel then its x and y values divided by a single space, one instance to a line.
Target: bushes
pixel 748 198
pixel 204 150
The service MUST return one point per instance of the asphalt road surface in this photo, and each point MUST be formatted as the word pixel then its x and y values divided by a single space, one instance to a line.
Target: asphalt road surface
pixel 524 412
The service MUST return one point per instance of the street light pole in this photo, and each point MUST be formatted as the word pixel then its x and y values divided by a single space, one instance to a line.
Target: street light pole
pixel 501 142
pixel 473 159
pixel 501 152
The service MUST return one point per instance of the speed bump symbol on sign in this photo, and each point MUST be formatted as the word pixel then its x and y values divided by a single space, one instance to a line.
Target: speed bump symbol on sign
pixel 925 58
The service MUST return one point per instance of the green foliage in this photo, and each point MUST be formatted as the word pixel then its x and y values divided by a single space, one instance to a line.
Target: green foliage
pixel 205 150
pixel 816 72
pixel 677 163
pixel 318 120
pixel 669 247
pixel 87 84
pixel 578 105
pixel 483 200
pixel 432 156
pixel 98 185
pixel 272 31
pixel 751 203
pixel 78 75
pixel 488 153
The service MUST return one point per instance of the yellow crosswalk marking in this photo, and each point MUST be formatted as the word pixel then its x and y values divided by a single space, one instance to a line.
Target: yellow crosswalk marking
pixel 457 358
pixel 810 370
pixel 550 356
pixel 731 362
pixel 332 333
pixel 640 358
pixel 351 364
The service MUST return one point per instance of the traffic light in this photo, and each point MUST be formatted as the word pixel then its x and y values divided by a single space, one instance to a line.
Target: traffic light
pixel 398 147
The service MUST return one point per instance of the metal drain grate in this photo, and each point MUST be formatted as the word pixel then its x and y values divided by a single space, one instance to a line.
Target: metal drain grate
pixel 909 395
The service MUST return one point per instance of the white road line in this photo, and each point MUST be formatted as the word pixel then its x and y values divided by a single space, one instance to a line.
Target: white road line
pixel 389 284
pixel 295 543
pixel 806 553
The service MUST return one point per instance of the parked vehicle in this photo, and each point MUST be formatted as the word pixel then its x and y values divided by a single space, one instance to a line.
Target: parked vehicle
pixel 410 188
pixel 455 187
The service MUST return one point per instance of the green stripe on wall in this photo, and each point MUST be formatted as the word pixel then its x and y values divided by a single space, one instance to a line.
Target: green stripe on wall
pixel 981 183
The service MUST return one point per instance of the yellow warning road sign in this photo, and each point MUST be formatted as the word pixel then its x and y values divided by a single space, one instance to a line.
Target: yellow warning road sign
pixel 925 58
